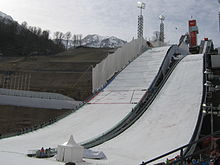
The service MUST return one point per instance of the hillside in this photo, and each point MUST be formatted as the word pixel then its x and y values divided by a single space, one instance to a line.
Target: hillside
pixel 21 40
pixel 68 73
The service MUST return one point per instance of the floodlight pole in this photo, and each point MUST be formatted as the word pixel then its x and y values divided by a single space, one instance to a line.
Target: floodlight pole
pixel 219 15
pixel 141 5
pixel 140 26
pixel 141 13
pixel 219 19
pixel 162 18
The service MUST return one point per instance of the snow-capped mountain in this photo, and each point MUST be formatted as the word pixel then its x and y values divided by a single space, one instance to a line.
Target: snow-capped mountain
pixel 98 41
pixel 5 16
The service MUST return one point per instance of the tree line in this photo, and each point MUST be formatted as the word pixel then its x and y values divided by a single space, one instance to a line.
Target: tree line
pixel 26 40
pixel 68 39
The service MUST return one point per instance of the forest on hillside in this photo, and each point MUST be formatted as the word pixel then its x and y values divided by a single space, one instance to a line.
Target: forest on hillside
pixel 24 40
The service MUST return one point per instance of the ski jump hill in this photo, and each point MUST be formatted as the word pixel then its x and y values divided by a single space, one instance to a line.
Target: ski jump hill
pixel 168 122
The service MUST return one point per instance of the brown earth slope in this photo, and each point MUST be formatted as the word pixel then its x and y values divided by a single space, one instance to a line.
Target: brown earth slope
pixel 68 73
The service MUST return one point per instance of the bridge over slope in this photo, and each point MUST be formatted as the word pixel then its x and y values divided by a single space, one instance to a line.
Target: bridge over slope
pixel 167 124
pixel 103 111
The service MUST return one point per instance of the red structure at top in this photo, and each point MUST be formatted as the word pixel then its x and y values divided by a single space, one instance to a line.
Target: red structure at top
pixel 193 31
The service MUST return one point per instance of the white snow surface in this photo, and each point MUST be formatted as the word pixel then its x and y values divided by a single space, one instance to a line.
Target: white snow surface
pixel 140 73
pixel 153 134
pixel 98 41
pixel 168 123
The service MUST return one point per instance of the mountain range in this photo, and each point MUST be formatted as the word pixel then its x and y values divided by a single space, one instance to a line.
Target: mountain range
pixel 98 41
pixel 92 40
pixel 95 41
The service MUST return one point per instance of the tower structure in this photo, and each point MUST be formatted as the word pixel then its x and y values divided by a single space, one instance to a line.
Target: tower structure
pixel 219 16
pixel 140 5
pixel 162 18
pixel 193 31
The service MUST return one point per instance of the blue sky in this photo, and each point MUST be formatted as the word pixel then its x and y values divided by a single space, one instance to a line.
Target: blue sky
pixel 116 17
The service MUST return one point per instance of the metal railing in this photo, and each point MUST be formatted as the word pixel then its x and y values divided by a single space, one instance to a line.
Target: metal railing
pixel 183 157
pixel 196 132
pixel 189 148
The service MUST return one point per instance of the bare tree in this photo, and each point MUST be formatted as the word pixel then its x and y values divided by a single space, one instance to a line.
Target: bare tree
pixel 80 39
pixel 61 37
pixel 67 36
pixel 74 40
pixel 157 35
pixel 24 24
pixel 34 30
pixel 45 34
pixel 77 40
pixel 38 31
pixel 58 37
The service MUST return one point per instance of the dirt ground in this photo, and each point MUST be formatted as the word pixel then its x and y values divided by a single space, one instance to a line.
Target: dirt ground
pixel 68 73
pixel 14 119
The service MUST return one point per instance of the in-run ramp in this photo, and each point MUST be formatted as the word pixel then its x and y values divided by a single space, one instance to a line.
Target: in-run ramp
pixel 103 112
pixel 167 124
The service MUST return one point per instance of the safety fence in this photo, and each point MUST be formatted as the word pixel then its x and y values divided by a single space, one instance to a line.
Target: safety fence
pixel 115 62
pixel 181 159
pixel 190 149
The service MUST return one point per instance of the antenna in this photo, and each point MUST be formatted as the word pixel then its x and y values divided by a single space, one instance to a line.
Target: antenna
pixel 140 5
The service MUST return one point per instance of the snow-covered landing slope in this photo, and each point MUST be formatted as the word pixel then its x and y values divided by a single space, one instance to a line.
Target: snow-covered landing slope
pixel 167 124
pixel 104 111
pixel 141 72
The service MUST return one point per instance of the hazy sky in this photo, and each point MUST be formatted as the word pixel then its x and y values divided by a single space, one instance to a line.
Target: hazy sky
pixel 116 17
